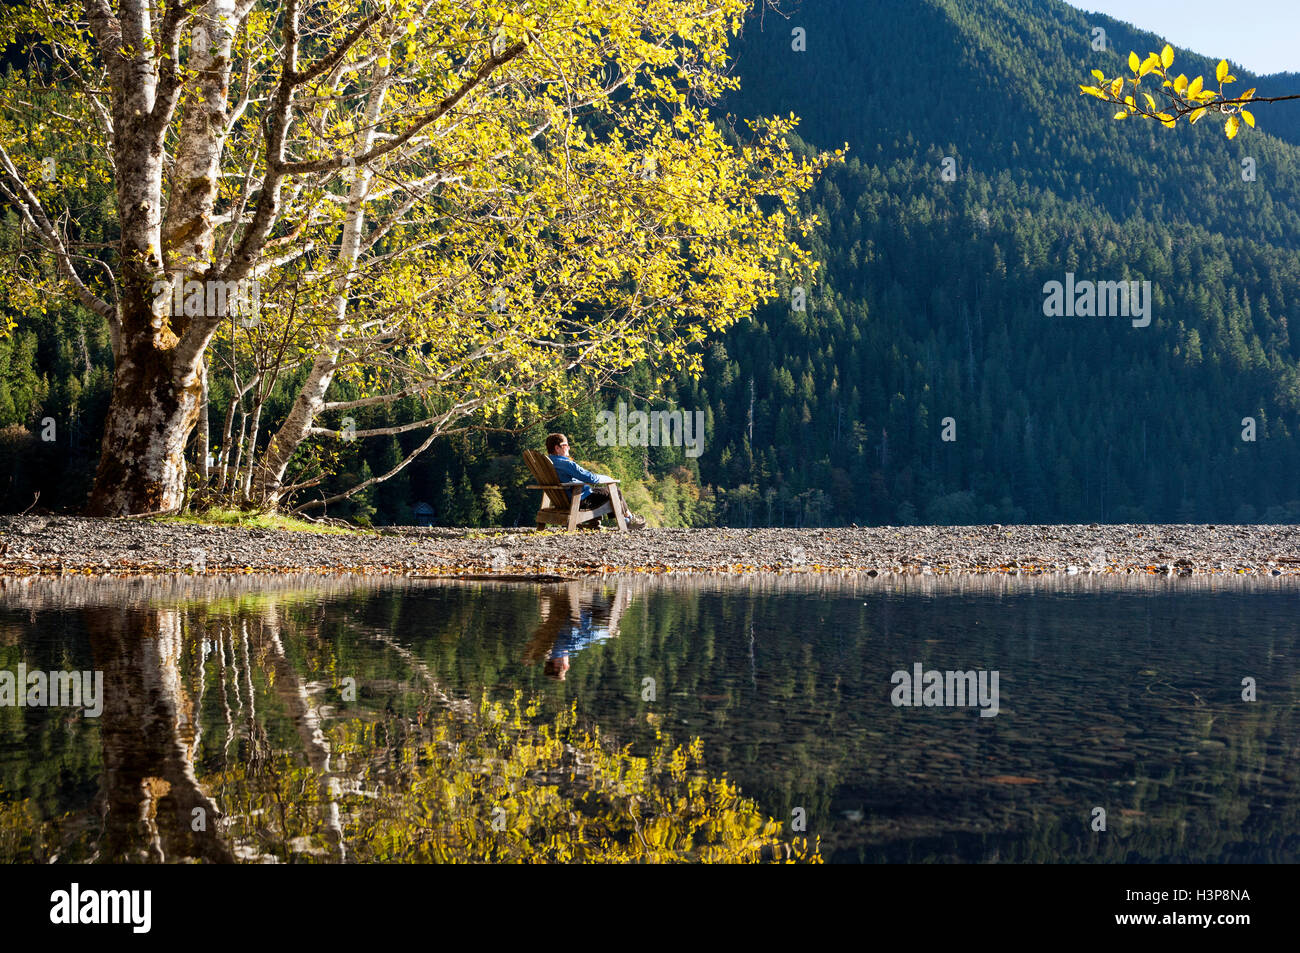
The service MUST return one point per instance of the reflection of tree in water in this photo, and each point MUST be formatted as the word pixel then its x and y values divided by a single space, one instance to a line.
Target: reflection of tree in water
pixel 768 679
pixel 794 713
pixel 152 806
pixel 503 789
pixel 216 747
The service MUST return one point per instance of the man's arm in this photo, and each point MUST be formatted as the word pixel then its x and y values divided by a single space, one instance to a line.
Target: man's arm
pixel 568 471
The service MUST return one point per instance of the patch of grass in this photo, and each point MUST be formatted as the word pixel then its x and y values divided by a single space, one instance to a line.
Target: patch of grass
pixel 218 516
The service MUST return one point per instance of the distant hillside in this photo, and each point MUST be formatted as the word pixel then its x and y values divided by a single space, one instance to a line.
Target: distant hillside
pixel 931 306
pixel 1283 118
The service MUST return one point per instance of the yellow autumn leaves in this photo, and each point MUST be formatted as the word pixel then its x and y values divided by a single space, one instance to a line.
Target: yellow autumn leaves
pixel 506 786
pixel 1181 96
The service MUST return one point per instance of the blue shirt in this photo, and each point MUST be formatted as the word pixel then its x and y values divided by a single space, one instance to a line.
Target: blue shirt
pixel 577 636
pixel 570 472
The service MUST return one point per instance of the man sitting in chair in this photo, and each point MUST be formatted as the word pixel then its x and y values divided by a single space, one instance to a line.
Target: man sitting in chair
pixel 557 448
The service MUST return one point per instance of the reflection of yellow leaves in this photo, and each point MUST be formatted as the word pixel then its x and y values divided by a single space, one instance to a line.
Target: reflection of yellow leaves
pixel 566 796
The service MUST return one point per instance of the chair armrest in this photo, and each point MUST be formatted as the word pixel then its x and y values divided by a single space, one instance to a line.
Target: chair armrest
pixel 569 486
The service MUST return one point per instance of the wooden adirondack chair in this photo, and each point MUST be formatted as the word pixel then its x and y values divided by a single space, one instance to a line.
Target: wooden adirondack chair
pixel 561 502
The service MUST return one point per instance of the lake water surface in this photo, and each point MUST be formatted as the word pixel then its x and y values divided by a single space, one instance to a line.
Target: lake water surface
pixel 319 719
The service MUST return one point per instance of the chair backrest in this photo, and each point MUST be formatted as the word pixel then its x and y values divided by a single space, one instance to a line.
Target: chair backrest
pixel 544 473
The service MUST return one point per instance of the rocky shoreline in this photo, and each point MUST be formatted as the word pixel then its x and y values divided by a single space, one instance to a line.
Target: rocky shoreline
pixel 54 545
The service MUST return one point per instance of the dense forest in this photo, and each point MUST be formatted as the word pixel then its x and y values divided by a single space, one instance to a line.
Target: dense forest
pixel 918 378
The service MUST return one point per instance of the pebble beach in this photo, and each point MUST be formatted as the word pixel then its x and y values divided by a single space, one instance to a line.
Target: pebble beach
pixel 60 545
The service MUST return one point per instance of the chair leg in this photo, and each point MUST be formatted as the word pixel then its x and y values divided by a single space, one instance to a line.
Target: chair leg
pixel 617 499
pixel 575 507
pixel 545 505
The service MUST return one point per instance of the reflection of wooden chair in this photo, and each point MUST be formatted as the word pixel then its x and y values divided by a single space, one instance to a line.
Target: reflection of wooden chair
pixel 562 606
pixel 565 499
pixel 558 609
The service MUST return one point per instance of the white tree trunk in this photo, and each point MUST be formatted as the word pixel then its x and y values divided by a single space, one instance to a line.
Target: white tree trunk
pixel 311 397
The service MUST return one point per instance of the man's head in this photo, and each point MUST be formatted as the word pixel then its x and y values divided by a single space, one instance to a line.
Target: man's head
pixel 556 668
pixel 557 444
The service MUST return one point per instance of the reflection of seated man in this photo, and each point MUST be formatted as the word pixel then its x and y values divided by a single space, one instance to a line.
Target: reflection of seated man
pixel 557 449
pixel 574 638
pixel 571 621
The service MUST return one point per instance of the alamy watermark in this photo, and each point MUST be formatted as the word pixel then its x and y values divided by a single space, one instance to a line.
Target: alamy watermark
pixel 38 689
pixel 658 428
pixel 1102 299
pixel 935 689
pixel 211 298
pixel 128 907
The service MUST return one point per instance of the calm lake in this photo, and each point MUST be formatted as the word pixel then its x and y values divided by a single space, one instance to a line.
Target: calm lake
pixel 328 719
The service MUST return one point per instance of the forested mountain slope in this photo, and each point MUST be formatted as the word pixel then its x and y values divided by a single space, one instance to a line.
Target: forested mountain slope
pixel 931 304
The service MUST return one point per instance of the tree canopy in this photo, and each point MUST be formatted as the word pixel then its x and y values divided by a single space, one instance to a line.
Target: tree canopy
pixel 467 202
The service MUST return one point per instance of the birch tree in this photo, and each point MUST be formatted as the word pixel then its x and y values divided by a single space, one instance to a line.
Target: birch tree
pixel 478 203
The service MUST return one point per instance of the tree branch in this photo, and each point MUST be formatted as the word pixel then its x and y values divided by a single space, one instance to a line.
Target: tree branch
pixel 486 68
pixel 32 211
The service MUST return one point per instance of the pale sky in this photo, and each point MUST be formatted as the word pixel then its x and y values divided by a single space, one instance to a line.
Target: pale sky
pixel 1260 35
